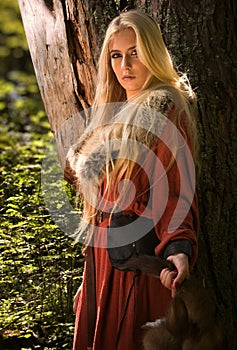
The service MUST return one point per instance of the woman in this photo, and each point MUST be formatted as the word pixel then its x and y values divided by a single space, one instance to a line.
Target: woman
pixel 133 159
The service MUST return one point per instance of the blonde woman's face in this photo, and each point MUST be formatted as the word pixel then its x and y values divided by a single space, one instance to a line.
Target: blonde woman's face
pixel 129 70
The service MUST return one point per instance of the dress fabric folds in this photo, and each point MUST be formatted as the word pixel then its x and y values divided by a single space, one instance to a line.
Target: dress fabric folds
pixel 125 302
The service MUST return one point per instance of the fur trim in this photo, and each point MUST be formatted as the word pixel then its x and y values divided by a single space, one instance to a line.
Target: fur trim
pixel 89 156
pixel 94 165
pixel 161 100
pixel 153 114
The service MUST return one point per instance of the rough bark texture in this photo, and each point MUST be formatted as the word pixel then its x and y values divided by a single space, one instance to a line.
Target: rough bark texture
pixel 62 43
pixel 64 39
pixel 202 39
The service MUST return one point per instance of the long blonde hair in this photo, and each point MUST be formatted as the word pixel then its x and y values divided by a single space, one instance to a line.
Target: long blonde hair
pixel 151 50
pixel 153 53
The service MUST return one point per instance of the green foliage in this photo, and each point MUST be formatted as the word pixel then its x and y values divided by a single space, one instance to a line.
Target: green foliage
pixel 13 44
pixel 40 266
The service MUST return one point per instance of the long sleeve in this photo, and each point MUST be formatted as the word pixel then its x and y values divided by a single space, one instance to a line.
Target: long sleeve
pixel 174 199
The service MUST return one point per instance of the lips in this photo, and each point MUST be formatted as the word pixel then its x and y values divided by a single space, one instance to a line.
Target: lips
pixel 128 77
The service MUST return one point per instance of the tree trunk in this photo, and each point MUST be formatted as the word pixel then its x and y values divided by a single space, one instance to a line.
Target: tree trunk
pixel 202 39
pixel 61 40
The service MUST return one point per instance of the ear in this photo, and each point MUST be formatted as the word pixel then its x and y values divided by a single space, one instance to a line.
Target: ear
pixel 177 318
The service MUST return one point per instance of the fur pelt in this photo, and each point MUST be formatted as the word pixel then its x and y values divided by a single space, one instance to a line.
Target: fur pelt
pixel 191 322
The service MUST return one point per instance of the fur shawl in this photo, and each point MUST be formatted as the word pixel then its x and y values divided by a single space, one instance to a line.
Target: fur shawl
pixel 90 154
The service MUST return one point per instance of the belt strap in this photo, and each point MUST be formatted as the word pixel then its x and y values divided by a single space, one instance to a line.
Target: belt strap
pixel 90 296
pixel 103 215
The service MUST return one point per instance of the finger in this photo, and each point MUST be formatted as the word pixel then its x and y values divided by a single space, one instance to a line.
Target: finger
pixel 180 278
pixel 173 292
pixel 175 284
pixel 164 273
pixel 167 277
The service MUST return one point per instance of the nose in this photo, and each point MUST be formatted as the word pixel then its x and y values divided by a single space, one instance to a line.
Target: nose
pixel 126 62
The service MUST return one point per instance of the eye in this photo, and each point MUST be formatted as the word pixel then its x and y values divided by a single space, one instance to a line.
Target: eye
pixel 134 53
pixel 115 55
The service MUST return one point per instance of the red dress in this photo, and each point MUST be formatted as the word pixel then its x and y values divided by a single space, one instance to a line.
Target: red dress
pixel 148 299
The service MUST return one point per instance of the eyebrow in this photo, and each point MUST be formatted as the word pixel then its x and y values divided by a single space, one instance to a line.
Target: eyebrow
pixel 130 48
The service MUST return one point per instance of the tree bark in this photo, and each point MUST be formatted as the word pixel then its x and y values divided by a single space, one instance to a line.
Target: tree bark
pixel 64 39
pixel 202 39
pixel 61 40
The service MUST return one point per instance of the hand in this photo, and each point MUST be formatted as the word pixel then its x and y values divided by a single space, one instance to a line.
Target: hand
pixel 172 279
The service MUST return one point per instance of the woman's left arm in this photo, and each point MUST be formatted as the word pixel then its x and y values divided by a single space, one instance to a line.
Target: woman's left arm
pixel 174 206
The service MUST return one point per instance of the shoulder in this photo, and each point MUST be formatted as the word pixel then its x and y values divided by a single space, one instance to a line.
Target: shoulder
pixel 155 110
pixel 162 100
pixel 152 114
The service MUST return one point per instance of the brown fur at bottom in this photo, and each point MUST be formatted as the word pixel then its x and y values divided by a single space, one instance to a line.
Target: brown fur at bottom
pixel 190 324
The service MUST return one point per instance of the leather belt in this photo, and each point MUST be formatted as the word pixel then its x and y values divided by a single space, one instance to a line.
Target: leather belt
pixel 106 215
